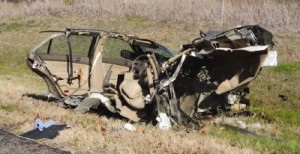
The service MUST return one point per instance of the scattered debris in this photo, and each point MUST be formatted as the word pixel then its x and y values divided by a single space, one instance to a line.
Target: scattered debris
pixel 282 97
pixel 49 130
pixel 45 92
pixel 41 125
pixel 130 127
pixel 164 122
pixel 48 133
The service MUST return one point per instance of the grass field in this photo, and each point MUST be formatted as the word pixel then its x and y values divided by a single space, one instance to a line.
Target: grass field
pixel 95 132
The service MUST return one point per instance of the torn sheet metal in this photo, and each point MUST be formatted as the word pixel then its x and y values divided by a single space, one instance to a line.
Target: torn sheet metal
pixel 146 81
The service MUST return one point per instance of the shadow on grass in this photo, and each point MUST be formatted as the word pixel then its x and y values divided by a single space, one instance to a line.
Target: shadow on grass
pixel 103 111
pixel 48 133
pixel 99 110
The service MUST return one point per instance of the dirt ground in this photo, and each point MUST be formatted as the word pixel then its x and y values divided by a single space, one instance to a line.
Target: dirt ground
pixel 11 143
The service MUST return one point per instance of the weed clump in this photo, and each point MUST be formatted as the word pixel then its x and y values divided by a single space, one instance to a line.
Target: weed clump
pixel 287 68
pixel 8 107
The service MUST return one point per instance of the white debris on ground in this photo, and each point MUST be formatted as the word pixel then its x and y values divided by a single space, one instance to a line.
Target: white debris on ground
pixel 41 125
pixel 128 126
pixel 164 122
pixel 104 118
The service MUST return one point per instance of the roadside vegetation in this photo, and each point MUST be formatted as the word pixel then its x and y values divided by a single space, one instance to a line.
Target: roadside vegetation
pixel 275 14
pixel 274 95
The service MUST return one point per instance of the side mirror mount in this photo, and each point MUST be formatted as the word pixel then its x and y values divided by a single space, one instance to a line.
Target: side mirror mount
pixel 127 54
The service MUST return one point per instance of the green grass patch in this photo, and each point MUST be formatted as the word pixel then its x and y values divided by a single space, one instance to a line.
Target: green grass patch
pixel 287 68
pixel 281 115
pixel 19 24
pixel 262 143
pixel 8 107
pixel 14 70
pixel 134 20
pixel 14 60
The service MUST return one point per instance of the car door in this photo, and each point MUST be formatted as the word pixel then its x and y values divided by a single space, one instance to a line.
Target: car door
pixel 67 60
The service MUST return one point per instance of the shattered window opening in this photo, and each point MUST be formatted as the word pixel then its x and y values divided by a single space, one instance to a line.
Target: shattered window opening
pixel 44 48
pixel 112 48
pixel 160 51
pixel 59 46
pixel 80 45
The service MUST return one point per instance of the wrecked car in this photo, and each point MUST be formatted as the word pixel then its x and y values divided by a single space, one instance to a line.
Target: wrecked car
pixel 142 80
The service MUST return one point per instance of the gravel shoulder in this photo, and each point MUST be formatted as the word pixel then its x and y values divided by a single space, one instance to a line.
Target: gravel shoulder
pixel 11 143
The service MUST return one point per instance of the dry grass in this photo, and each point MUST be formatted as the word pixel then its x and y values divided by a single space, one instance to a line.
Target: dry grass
pixel 93 132
pixel 275 14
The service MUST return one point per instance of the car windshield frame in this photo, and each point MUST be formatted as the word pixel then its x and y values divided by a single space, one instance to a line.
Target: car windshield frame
pixel 150 46
pixel 167 50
